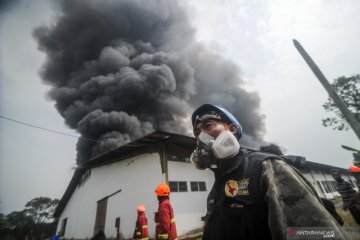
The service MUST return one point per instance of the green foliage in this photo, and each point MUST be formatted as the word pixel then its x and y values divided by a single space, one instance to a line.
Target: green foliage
pixel 19 224
pixel 3 223
pixel 348 90
pixel 41 209
pixel 356 154
pixel 36 220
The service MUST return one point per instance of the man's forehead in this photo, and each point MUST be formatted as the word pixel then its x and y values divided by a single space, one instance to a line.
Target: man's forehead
pixel 201 123
pixel 206 116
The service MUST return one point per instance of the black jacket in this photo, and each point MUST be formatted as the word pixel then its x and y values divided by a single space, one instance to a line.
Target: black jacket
pixel 259 196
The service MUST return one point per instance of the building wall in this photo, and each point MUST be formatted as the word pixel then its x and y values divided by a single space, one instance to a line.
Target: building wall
pixel 189 206
pixel 324 183
pixel 137 178
pixel 319 182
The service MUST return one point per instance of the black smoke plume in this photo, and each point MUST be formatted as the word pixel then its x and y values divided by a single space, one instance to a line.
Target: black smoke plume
pixel 122 69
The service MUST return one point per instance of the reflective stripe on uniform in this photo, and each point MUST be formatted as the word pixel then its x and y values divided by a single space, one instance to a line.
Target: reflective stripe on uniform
pixel 145 226
pixel 157 224
pixel 163 236
pixel 172 220
pixel 138 233
pixel 146 238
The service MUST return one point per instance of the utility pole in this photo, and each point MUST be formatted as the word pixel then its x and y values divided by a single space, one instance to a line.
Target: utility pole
pixel 349 117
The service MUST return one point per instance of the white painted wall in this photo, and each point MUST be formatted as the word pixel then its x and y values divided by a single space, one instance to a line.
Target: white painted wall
pixel 189 206
pixel 137 177
pixel 138 181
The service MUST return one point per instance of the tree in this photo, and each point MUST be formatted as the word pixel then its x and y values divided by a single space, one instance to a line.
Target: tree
pixel 4 226
pixel 348 90
pixel 3 222
pixel 36 220
pixel 18 224
pixel 41 209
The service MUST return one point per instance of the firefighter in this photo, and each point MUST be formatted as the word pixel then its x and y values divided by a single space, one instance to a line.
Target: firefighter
pixel 166 227
pixel 355 170
pixel 157 225
pixel 141 228
pixel 255 195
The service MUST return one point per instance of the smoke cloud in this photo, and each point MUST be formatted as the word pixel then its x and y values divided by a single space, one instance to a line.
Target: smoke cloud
pixel 122 69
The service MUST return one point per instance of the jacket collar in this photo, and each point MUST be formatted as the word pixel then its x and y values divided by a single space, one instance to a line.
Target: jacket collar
pixel 228 165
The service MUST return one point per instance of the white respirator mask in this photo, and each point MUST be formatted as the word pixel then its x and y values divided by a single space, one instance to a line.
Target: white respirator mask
pixel 210 149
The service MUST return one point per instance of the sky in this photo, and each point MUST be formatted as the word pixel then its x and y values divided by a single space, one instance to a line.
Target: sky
pixel 255 35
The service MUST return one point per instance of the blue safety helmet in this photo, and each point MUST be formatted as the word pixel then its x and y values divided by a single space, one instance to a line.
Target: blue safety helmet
pixel 220 113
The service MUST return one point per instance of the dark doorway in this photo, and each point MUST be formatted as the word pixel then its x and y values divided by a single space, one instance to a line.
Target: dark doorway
pixel 100 215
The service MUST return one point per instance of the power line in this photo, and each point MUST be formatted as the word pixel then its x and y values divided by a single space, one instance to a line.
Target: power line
pixel 45 129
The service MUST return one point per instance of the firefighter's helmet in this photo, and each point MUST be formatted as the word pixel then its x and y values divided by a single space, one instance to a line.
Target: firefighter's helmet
pixel 354 169
pixel 141 208
pixel 162 190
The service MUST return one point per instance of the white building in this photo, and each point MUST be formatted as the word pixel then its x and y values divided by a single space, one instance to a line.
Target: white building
pixel 319 176
pixel 107 189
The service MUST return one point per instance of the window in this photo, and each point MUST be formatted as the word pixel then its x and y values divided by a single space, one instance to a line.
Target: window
pixel 198 186
pixel 329 186
pixel 202 186
pixel 173 186
pixel 178 186
pixel 194 186
pixel 319 185
pixel 325 186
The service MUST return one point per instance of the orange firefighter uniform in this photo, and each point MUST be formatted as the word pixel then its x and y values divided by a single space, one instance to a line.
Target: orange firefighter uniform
pixel 141 228
pixel 167 227
pixel 157 225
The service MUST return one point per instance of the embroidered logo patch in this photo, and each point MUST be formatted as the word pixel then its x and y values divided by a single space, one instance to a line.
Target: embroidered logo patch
pixel 240 188
pixel 243 187
pixel 231 188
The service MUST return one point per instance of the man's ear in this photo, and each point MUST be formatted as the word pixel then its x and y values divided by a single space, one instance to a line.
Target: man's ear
pixel 233 128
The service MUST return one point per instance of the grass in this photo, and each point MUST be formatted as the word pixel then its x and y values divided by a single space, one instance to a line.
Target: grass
pixel 349 222
pixel 347 218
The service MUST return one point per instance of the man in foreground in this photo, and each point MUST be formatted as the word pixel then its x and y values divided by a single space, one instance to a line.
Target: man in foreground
pixel 255 195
